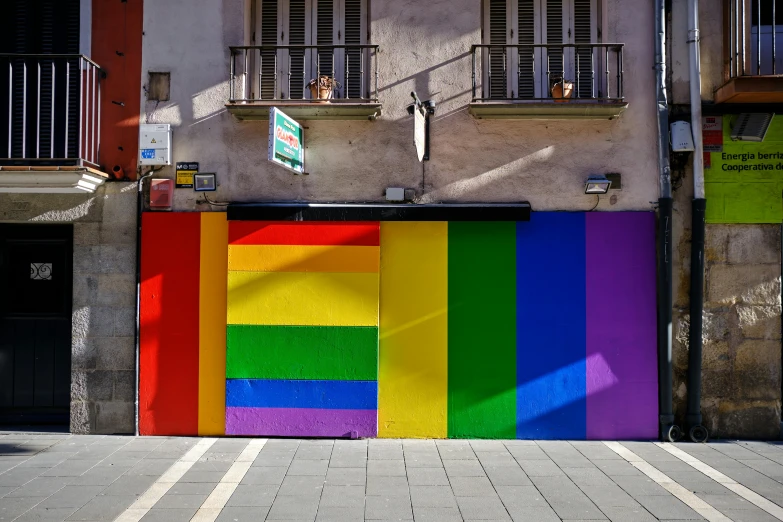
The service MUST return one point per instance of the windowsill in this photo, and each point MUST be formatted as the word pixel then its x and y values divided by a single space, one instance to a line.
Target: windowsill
pixel 751 89
pixel 306 110
pixel 50 180
pixel 542 110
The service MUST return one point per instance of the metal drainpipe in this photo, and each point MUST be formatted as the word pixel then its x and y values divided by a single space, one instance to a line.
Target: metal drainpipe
pixel 668 430
pixel 697 432
pixel 139 206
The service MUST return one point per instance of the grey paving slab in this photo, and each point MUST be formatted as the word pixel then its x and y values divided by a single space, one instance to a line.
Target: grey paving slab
pixel 390 468
pixel 668 508
pixel 70 468
pixel 482 508
pixel 766 467
pixel 348 462
pixel 10 508
pixel 526 452
pixel 539 514
pixel 389 486
pixel 595 450
pixel 308 467
pixel 628 514
pixel 588 476
pixel 343 496
pixel 265 475
pixel 464 468
pixel 191 488
pixel 293 508
pixel 540 468
pixel 617 468
pixel 425 514
pixel 72 496
pixel 697 482
pixel 427 477
pixel 641 486
pixel 568 501
pixel 297 485
pixel 242 514
pixel 749 515
pixel 281 444
pixel 169 515
pixel 432 496
pixel 521 496
pixel 39 487
pixel 346 477
pixel 420 445
pixel 423 460
pixel 202 476
pixel 131 485
pixel 457 453
pixel 253 496
pixel 39 514
pixel 103 508
pixel 472 487
pixel 313 453
pixel 5 490
pixel 19 476
pixel 100 476
pixel 609 496
pixel 169 501
pixel 497 459
pixel 385 451
pixel 43 460
pixel 340 514
pixel 387 508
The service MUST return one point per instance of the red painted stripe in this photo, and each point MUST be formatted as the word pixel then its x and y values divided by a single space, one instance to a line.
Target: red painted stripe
pixel 306 233
pixel 168 387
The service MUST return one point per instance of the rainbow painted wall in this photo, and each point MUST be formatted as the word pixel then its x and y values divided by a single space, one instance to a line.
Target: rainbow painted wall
pixel 542 329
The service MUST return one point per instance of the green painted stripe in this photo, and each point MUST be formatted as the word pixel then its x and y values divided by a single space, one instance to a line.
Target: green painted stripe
pixel 482 330
pixel 302 352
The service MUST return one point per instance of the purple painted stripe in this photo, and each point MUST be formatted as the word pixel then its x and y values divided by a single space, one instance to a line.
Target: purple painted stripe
pixel 301 422
pixel 622 384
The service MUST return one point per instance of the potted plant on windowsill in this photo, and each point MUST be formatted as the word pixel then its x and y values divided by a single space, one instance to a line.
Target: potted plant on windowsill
pixel 322 88
pixel 562 89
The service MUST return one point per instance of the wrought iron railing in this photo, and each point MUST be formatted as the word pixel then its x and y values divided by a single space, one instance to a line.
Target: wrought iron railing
pixel 284 72
pixel 50 110
pixel 547 72
pixel 753 38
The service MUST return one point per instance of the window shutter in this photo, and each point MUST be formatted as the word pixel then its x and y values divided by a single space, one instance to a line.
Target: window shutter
pixel 325 35
pixel 268 56
pixel 297 31
pixel 583 33
pixel 554 35
pixel 498 85
pixel 353 56
pixel 526 35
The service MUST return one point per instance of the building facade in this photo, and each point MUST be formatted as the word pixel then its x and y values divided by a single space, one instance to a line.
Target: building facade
pixel 490 296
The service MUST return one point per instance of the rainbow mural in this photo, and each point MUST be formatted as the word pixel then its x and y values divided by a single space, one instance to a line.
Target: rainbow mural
pixel 542 329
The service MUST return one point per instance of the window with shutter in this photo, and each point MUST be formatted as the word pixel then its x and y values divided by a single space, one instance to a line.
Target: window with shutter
pixel 525 56
pixel 322 24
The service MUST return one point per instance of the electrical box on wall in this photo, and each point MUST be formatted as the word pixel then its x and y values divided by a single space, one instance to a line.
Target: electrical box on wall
pixel 155 144
pixel 161 191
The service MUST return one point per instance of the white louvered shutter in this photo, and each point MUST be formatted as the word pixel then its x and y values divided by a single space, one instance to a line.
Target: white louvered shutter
pixel 355 69
pixel 526 35
pixel 584 32
pixel 268 28
pixel 496 78
pixel 554 28
pixel 297 35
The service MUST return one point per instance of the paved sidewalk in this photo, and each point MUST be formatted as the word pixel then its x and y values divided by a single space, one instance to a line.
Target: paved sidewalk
pixel 103 478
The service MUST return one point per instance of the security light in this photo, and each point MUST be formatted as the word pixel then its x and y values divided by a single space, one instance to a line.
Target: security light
pixel 597 185
pixel 204 182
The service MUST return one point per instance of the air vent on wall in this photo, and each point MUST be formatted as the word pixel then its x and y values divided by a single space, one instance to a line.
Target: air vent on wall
pixel 751 126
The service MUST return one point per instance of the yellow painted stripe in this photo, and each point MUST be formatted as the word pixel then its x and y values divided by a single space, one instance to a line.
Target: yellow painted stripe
pixel 303 298
pixel 212 325
pixel 303 258
pixel 413 359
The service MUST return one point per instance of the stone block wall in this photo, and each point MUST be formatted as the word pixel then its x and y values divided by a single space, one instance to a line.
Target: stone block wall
pixel 741 359
pixel 104 298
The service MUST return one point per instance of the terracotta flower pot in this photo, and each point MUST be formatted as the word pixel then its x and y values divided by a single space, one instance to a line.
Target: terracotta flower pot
pixel 562 91
pixel 321 89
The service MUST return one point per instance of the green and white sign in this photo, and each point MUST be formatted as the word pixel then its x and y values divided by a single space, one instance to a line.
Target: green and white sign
pixel 744 179
pixel 286 141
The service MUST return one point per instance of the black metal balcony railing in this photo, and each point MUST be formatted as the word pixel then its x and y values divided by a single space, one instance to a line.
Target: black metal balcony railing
pixel 49 110
pixel 282 72
pixel 754 35
pixel 529 72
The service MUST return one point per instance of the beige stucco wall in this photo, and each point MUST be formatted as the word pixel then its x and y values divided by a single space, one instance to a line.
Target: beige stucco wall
pixel 425 49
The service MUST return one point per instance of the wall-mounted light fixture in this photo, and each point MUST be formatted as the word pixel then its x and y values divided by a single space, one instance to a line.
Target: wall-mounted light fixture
pixel 751 126
pixel 597 185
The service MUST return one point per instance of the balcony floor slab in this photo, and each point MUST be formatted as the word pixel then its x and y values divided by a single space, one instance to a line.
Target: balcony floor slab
pixel 333 110
pixel 570 110
pixel 50 180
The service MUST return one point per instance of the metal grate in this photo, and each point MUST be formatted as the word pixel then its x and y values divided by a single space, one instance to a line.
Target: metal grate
pixel 751 126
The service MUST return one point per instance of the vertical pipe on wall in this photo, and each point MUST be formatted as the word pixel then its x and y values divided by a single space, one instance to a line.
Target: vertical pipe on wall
pixel 697 432
pixel 139 207
pixel 668 430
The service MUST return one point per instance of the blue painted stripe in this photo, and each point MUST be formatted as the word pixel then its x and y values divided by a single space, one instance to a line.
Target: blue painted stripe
pixel 551 326
pixel 266 393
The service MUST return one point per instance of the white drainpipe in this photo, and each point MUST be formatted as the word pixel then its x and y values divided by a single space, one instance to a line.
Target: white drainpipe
pixel 695 84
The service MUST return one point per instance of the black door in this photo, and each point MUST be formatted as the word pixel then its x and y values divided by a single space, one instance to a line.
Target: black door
pixel 36 282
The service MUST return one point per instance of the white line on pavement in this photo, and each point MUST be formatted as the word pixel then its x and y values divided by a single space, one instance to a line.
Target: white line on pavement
pixel 688 497
pixel 149 498
pixel 727 482
pixel 217 500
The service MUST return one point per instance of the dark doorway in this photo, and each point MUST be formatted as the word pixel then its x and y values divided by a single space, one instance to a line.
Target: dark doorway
pixel 36 281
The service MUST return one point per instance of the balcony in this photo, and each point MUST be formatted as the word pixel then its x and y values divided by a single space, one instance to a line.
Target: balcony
pixel 262 77
pixel 753 49
pixel 548 81
pixel 49 123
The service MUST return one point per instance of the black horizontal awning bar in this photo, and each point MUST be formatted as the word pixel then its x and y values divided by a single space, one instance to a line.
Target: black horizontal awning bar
pixel 378 212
